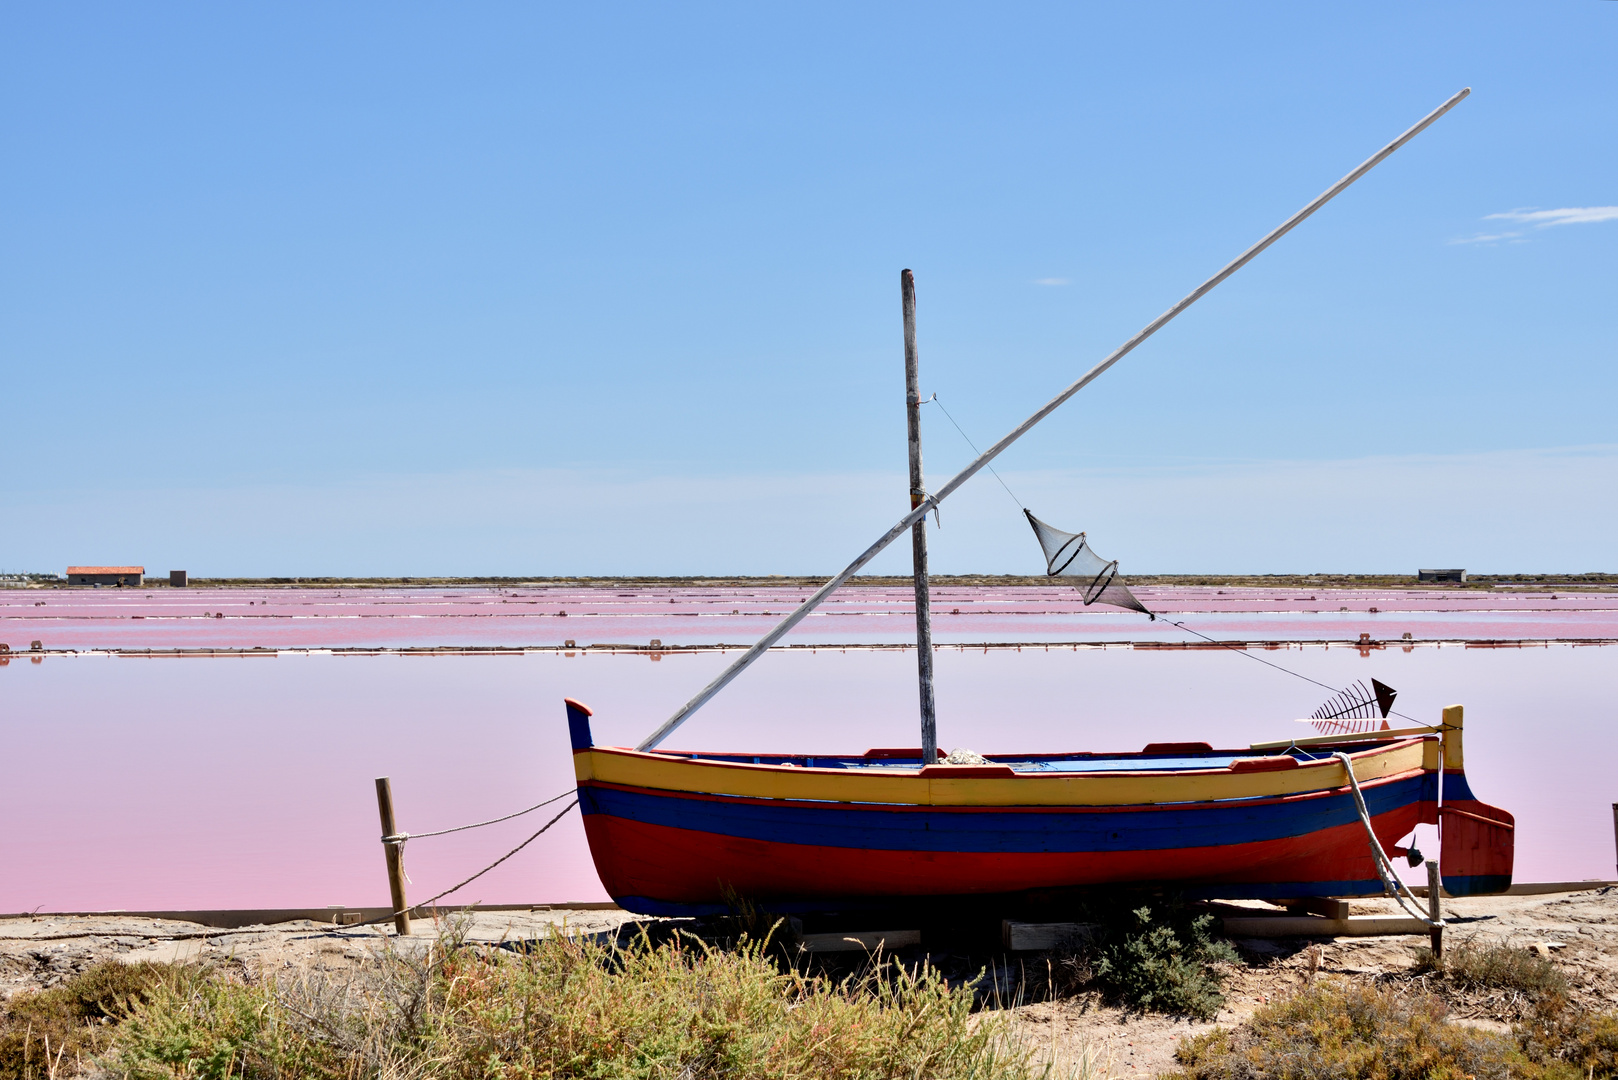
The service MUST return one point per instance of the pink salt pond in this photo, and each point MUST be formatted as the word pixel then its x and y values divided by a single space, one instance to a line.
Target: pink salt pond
pixel 543 617
pixel 244 779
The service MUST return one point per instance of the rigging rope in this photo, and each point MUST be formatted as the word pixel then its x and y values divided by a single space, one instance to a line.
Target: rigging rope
pixel 1295 674
pixel 934 400
pixel 1180 624
pixel 1391 882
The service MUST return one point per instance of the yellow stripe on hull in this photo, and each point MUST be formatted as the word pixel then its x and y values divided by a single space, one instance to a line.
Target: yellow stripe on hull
pixel 909 787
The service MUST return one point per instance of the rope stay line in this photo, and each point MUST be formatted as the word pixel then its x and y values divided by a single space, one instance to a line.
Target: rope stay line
pixel 401 837
pixel 926 505
pixel 1180 624
pixel 1270 663
pixel 934 401
pixel 1392 885
pixel 453 888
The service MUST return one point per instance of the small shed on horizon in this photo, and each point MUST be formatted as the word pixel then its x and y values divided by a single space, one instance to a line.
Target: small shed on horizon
pixel 1441 575
pixel 106 575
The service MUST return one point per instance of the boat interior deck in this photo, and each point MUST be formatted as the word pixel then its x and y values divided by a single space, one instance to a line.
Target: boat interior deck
pixel 1156 757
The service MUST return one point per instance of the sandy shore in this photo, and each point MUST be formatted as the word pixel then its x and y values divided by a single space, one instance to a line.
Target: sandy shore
pixel 1579 930
pixel 42 951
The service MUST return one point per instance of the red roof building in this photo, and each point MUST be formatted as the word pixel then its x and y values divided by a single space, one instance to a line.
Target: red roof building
pixel 106 575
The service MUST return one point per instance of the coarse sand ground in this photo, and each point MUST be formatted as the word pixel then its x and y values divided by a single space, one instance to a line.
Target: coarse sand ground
pixel 1577 930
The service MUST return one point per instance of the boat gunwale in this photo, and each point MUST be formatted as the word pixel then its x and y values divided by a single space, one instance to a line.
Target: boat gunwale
pixel 1021 808
pixel 660 771
pixel 690 758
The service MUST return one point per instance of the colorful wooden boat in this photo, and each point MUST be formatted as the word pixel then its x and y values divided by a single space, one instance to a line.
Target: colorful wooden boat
pixel 685 833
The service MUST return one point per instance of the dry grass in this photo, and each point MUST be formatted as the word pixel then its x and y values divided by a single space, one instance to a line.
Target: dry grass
pixel 1494 965
pixel 1559 1033
pixel 1349 1031
pixel 1492 979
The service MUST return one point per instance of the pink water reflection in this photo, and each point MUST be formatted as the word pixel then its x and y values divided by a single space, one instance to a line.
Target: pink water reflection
pixel 246 782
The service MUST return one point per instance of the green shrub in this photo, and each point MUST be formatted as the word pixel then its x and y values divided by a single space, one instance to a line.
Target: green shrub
pixel 1162 959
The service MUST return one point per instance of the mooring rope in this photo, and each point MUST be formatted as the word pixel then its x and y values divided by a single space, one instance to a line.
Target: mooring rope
pixel 1391 883
pixel 401 837
pixel 474 877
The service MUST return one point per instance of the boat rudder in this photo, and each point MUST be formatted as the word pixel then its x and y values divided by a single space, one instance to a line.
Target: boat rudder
pixel 1477 842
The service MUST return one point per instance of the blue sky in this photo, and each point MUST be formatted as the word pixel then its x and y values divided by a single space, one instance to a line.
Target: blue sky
pixel 516 289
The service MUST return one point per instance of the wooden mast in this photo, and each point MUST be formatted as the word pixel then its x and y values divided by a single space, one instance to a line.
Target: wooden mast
pixel 763 644
pixel 918 531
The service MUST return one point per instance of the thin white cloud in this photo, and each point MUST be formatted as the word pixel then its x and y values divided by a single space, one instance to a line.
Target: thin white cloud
pixel 1567 215
pixel 1487 238
pixel 1051 281
pixel 1539 219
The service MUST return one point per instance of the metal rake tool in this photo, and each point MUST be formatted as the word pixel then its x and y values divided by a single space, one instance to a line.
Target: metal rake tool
pixel 1355 709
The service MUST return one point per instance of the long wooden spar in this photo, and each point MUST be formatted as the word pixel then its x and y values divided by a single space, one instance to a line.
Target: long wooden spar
pixel 926 505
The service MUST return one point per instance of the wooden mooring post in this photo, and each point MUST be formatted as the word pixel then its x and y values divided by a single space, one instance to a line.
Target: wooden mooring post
pixel 1435 934
pixel 396 882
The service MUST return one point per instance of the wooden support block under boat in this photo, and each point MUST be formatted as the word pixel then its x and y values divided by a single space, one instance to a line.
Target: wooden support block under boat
pixel 1280 926
pixel 1042 937
pixel 860 941
pixel 1323 906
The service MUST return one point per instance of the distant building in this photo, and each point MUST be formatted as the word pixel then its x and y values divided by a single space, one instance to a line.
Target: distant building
pixel 106 575
pixel 177 579
pixel 1441 575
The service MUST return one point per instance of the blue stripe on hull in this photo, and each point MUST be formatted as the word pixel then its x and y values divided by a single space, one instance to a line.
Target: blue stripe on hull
pixel 1456 788
pixel 1003 829
pixel 1476 884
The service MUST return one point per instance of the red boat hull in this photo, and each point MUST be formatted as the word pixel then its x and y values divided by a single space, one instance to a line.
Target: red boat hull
pixel 659 868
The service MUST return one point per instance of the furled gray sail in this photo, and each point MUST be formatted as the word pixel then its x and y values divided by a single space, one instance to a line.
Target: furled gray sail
pixel 1069 555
